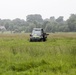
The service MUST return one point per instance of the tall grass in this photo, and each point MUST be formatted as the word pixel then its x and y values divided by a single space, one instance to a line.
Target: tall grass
pixel 56 56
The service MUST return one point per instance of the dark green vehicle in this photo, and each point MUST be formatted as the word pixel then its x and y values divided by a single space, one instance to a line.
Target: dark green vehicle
pixel 38 35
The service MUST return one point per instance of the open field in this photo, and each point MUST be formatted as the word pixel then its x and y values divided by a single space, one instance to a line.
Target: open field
pixel 56 56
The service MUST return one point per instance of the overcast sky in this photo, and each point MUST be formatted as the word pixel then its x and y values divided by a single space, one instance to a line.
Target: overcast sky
pixel 11 9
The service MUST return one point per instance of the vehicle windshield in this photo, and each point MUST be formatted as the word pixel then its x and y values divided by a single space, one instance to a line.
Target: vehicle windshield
pixel 38 32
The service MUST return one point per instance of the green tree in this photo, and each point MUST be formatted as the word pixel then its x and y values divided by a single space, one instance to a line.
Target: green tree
pixel 34 18
pixel 60 19
pixel 72 22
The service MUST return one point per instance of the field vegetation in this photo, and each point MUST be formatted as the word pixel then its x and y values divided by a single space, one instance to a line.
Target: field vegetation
pixel 56 56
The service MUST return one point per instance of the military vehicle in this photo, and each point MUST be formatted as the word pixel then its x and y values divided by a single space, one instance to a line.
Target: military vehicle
pixel 38 35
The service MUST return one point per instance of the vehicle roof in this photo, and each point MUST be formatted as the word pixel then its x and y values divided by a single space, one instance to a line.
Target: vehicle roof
pixel 37 28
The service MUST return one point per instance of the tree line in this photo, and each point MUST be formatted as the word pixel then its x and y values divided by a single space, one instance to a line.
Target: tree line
pixel 35 20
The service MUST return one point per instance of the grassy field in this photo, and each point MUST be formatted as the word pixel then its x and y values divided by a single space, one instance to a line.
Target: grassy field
pixel 56 56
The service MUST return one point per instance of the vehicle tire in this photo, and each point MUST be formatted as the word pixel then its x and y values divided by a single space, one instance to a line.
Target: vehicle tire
pixel 44 39
pixel 30 40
